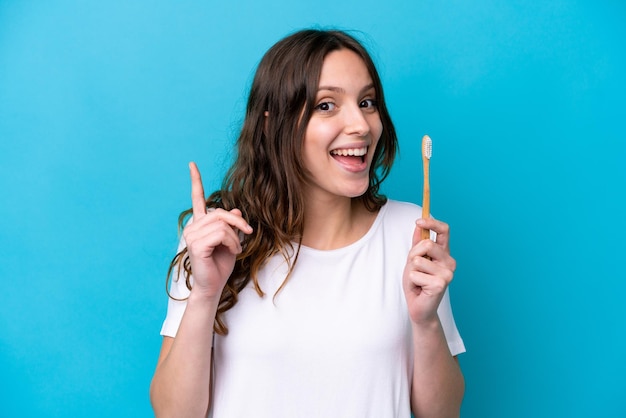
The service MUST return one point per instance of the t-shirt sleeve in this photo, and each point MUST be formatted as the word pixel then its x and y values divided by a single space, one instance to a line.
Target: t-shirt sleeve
pixel 175 308
pixel 455 342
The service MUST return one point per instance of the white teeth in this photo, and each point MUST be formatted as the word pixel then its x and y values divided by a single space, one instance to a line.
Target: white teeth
pixel 357 152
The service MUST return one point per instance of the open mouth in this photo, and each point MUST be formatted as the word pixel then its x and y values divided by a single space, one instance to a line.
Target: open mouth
pixel 350 155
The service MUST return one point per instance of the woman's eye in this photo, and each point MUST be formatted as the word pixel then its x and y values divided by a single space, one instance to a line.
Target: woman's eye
pixel 368 103
pixel 325 106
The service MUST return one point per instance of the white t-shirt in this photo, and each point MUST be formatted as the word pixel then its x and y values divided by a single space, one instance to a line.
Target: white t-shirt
pixel 334 342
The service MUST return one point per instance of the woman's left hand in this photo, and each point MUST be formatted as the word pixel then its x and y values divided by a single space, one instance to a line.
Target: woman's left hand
pixel 428 272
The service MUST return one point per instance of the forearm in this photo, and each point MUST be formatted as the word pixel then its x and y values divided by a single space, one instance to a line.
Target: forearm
pixel 438 384
pixel 180 387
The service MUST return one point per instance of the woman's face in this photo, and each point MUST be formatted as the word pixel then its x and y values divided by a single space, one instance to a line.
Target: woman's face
pixel 344 129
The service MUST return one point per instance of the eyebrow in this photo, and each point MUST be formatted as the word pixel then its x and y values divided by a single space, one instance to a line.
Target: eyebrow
pixel 341 90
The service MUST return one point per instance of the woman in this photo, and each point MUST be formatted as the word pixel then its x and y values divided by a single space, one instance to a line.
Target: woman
pixel 312 294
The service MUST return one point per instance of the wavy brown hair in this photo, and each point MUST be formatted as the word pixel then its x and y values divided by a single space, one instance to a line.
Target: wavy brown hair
pixel 266 180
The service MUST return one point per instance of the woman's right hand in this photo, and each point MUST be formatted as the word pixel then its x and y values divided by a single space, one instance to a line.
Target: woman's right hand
pixel 212 241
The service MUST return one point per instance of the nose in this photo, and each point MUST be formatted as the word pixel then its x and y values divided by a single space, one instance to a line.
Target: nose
pixel 355 121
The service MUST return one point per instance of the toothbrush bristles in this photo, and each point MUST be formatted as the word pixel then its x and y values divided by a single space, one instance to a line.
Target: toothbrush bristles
pixel 427 147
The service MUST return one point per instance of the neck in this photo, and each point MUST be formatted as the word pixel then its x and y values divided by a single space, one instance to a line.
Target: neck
pixel 335 223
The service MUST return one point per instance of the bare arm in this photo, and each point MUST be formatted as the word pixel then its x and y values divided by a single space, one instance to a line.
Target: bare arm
pixel 438 386
pixel 180 386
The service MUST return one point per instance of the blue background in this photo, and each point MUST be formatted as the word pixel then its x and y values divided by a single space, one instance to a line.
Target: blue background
pixel 102 104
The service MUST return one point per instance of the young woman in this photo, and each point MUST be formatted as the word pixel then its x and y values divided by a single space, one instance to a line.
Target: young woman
pixel 299 290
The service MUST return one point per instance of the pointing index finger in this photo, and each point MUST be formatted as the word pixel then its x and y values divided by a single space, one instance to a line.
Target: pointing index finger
pixel 198 203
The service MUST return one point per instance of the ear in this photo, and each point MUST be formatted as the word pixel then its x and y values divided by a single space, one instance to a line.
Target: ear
pixel 265 129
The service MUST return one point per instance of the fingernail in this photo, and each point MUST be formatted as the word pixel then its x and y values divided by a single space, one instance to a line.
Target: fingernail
pixel 419 222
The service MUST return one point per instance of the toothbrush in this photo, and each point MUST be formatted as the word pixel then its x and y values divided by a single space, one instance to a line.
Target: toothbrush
pixel 427 152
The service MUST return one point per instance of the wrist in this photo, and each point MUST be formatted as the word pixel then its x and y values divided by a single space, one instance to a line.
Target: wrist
pixel 429 338
pixel 202 297
pixel 427 328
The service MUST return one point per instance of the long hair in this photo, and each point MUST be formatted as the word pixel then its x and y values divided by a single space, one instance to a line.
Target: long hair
pixel 266 180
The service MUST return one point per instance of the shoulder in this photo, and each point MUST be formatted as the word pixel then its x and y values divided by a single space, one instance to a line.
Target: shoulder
pixel 398 220
pixel 397 211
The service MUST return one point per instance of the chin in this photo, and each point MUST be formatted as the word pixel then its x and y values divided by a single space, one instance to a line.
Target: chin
pixel 358 192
